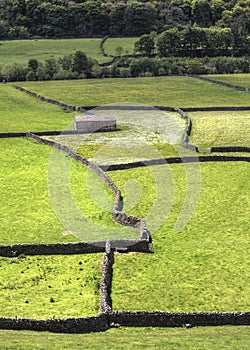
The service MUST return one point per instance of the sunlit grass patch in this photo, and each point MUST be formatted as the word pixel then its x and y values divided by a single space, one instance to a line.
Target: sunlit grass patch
pixel 230 128
pixel 50 287
pixel 22 51
pixel 112 46
pixel 22 113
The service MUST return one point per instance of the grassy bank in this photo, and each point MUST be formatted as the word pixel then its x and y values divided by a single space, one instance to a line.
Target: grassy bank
pixel 21 51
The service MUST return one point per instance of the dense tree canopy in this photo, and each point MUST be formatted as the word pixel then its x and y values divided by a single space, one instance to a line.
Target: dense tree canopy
pixel 65 18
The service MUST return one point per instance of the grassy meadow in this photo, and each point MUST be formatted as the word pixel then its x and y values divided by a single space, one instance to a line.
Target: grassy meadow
pixel 197 213
pixel 127 45
pixel 199 268
pixel 21 51
pixel 19 113
pixel 220 128
pixel 43 287
pixel 157 91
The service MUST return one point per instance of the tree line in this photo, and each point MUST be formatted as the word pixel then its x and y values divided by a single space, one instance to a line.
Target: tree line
pixel 76 18
pixel 79 66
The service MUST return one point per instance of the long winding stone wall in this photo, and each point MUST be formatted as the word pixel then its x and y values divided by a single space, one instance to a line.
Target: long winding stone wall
pixel 117 215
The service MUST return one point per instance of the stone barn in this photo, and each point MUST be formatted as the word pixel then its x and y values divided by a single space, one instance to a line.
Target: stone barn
pixel 89 123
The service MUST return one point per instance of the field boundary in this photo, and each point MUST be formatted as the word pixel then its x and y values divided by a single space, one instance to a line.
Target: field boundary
pixel 45 99
pixel 175 160
pixel 108 318
pixel 5 135
pixel 117 215
pixel 209 80
pixel 104 321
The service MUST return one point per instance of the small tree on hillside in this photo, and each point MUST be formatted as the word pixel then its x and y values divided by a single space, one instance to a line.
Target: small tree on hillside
pixel 145 44
pixel 80 63
pixel 33 64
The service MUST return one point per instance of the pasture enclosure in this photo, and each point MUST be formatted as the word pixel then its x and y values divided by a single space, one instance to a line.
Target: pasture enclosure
pixel 21 51
pixel 198 269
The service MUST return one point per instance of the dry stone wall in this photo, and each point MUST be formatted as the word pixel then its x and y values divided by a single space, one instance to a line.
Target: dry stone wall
pixel 240 88
pixel 121 246
pixel 45 99
pixel 104 321
pixel 185 140
pixel 106 283
pixel 181 319
pixel 117 214
pixel 71 325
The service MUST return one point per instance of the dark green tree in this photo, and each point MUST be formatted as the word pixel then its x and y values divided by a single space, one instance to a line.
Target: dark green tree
pixel 80 63
pixel 139 19
pixel 51 67
pixel 33 64
pixel 145 44
pixel 202 13
pixel 169 42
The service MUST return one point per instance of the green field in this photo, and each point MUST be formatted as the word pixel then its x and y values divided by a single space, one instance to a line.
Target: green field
pixel 158 91
pixel 220 128
pixel 127 45
pixel 224 338
pixel 21 51
pixel 20 113
pixel 201 267
pixel 235 79
pixel 197 213
pixel 50 287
